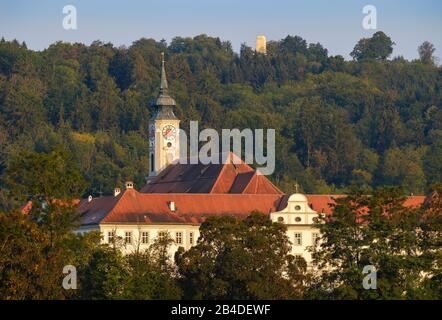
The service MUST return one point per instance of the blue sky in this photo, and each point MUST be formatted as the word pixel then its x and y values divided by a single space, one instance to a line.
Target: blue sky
pixel 335 24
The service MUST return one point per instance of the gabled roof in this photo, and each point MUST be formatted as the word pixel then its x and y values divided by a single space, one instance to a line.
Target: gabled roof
pixel 227 177
pixel 132 206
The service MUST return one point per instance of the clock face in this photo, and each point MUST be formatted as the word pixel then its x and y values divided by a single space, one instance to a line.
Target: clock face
pixel 169 132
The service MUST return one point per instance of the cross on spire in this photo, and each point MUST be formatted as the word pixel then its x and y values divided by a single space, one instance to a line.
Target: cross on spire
pixel 296 187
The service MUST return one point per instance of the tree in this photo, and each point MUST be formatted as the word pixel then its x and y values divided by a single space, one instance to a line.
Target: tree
pixel 378 47
pixel 403 167
pixel 247 259
pixel 44 177
pixel 426 51
pixel 105 276
pixel 379 231
pixel 152 274
pixel 37 242
pixel 325 110
pixel 32 259
pixel 432 243
pixel 142 275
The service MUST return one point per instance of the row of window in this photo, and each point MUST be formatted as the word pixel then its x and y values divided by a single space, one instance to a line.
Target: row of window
pixel 298 238
pixel 297 219
pixel 128 237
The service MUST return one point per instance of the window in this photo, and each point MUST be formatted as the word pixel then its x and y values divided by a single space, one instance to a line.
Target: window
pixel 298 219
pixel 162 235
pixel 315 238
pixel 144 237
pixel 297 208
pixel 281 219
pixel 128 237
pixel 298 239
pixel 110 236
pixel 191 238
pixel 152 163
pixel 179 237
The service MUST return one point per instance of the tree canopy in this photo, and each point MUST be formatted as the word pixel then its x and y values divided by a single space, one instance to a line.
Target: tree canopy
pixel 337 122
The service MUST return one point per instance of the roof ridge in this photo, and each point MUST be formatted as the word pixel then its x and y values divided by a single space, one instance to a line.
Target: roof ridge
pixel 218 178
pixel 187 194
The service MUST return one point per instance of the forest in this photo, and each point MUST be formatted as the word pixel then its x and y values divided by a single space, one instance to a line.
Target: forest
pixel 372 121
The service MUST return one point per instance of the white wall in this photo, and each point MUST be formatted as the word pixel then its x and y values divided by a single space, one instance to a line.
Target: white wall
pixel 153 231
pixel 297 216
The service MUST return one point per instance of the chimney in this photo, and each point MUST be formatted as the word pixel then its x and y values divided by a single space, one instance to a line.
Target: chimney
pixel 172 206
pixel 117 191
pixel 129 185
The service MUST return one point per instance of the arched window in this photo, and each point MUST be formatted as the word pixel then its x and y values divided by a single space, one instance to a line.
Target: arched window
pixel 152 163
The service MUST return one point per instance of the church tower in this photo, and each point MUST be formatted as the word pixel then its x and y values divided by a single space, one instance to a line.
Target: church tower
pixel 163 129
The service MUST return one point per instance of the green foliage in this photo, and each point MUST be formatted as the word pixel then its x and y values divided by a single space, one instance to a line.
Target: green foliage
pixel 104 276
pixel 152 273
pixel 402 243
pixel 142 275
pixel 246 259
pixel 426 51
pixel 336 121
pixel 44 176
pixel 32 257
pixel 378 47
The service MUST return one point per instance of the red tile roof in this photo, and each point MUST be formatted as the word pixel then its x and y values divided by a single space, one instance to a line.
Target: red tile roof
pixel 321 202
pixel 132 206
pixel 226 177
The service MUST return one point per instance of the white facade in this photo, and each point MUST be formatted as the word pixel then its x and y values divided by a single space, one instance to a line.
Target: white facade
pixel 299 219
pixel 297 216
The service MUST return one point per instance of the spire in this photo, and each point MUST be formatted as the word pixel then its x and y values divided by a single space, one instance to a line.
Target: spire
pixel 163 86
pixel 164 101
